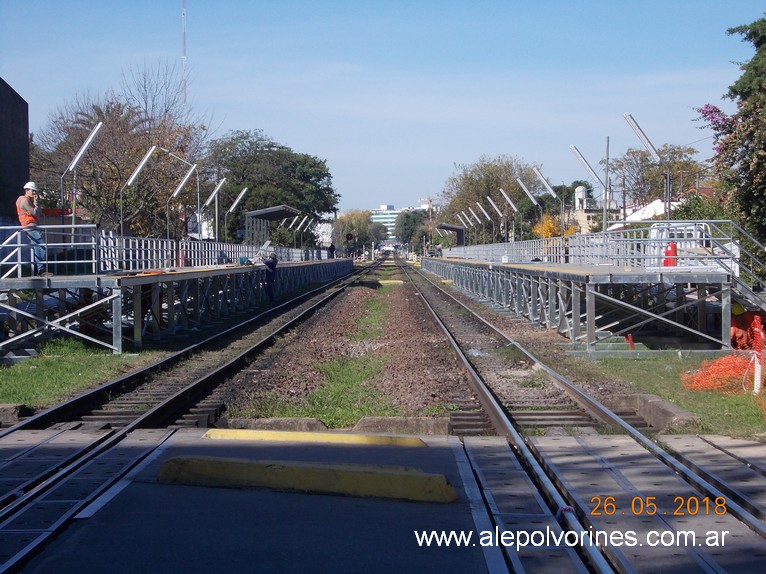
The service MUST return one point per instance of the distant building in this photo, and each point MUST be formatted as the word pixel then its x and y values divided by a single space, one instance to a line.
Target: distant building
pixel 386 216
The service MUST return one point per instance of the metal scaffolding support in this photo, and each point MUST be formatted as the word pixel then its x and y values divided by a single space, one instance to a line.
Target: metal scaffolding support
pixel 109 310
pixel 594 305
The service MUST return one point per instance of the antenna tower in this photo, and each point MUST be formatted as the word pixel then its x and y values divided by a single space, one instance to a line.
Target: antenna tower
pixel 183 47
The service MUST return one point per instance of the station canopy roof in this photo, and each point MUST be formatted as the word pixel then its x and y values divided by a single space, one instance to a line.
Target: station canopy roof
pixel 274 213
pixel 450 227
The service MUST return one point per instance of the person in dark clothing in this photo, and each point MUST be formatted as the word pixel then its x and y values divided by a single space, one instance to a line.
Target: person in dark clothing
pixel 271 270
pixel 331 251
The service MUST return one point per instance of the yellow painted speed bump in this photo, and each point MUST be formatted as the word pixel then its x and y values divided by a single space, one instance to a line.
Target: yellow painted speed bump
pixel 349 479
pixel 302 436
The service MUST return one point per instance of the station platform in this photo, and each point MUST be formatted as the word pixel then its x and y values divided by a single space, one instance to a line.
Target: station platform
pixel 157 520
pixel 595 305
pixel 110 309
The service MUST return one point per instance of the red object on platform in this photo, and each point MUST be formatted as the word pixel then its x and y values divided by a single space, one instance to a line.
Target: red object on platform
pixel 670 255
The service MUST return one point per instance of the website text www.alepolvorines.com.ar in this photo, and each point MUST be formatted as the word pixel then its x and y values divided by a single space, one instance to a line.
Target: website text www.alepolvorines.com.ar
pixel 550 537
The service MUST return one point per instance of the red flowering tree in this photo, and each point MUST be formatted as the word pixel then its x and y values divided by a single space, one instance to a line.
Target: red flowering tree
pixel 740 139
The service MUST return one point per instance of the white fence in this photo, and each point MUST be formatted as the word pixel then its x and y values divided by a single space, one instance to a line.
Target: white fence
pixel 714 245
pixel 83 249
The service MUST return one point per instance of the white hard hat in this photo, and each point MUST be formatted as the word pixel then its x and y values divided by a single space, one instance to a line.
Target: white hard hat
pixel 30 185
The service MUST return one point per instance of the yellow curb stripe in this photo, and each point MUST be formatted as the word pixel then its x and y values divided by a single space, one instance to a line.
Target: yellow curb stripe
pixel 303 436
pixel 348 479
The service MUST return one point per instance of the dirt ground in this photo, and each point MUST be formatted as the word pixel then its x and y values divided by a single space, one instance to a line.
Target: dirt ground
pixel 418 372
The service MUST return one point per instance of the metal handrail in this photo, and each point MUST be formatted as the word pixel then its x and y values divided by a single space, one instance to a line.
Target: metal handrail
pixel 84 249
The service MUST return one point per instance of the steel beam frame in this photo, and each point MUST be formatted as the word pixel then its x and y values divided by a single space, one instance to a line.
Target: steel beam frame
pixel 594 305
pixel 155 305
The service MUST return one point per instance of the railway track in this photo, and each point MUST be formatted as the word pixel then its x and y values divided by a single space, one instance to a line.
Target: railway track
pixel 638 507
pixel 58 461
pixel 569 465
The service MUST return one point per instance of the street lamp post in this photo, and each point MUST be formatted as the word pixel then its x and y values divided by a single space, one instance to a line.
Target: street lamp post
pixel 193 167
pixel 484 211
pixel 503 230
pixel 72 168
pixel 596 178
pixel 181 185
pixel 655 156
pixel 478 221
pixel 210 199
pixel 532 198
pixel 468 219
pixel 515 209
pixel 130 181
pixel 549 189
pixel 231 209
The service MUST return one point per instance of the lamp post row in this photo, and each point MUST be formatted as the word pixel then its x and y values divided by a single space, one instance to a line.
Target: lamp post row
pixel 193 168
pixel 606 186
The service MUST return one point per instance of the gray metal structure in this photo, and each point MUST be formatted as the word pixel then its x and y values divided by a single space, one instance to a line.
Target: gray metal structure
pixel 591 305
pixel 109 309
pixel 257 223
pixel 593 288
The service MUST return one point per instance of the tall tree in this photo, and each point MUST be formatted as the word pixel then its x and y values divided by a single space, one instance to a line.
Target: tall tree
pixel 740 139
pixel 643 180
pixel 354 230
pixel 407 224
pixel 274 174
pixel 147 112
pixel 472 183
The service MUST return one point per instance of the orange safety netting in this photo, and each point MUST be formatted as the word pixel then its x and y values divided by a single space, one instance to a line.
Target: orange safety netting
pixel 728 375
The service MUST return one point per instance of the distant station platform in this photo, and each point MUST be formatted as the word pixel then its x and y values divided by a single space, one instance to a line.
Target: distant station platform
pixel 111 308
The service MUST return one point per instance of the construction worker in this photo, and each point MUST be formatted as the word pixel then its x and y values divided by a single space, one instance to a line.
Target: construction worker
pixel 29 211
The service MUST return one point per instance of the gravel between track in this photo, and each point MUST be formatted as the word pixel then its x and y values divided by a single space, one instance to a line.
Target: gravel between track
pixel 418 372
pixel 419 369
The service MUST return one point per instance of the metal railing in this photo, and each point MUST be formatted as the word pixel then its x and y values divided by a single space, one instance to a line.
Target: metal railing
pixel 643 244
pixel 694 246
pixel 83 249
pixel 67 249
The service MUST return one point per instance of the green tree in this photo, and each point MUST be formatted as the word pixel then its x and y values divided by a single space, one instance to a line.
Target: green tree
pixel 472 183
pixel 739 139
pixel 274 175
pixel 407 223
pixel 643 180
pixel 148 111
pixel 362 231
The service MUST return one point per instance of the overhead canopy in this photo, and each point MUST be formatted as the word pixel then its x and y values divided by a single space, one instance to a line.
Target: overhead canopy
pixel 274 213
pixel 459 231
pixel 257 226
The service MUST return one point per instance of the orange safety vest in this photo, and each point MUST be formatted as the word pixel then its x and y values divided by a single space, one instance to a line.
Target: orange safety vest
pixel 25 218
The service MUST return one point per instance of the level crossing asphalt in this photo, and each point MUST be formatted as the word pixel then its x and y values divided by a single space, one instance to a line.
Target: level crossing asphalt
pixel 234 501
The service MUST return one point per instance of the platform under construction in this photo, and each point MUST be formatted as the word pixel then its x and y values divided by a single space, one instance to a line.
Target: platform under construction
pixel 660 281
pixel 592 306
pixel 110 309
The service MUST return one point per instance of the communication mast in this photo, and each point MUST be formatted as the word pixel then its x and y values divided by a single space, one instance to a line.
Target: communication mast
pixel 183 48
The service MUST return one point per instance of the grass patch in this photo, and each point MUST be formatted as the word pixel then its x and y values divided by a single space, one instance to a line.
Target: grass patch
pixel 534 380
pixel 371 325
pixel 440 410
pixel 735 415
pixel 63 367
pixel 341 402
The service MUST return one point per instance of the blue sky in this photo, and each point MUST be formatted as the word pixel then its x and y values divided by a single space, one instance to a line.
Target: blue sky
pixel 393 94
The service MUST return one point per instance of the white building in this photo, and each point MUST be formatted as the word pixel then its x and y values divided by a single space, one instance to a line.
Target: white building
pixel 386 216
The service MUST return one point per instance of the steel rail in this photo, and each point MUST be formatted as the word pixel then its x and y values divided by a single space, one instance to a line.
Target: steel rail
pixel 157 415
pixel 692 478
pixel 496 413
pixel 102 394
